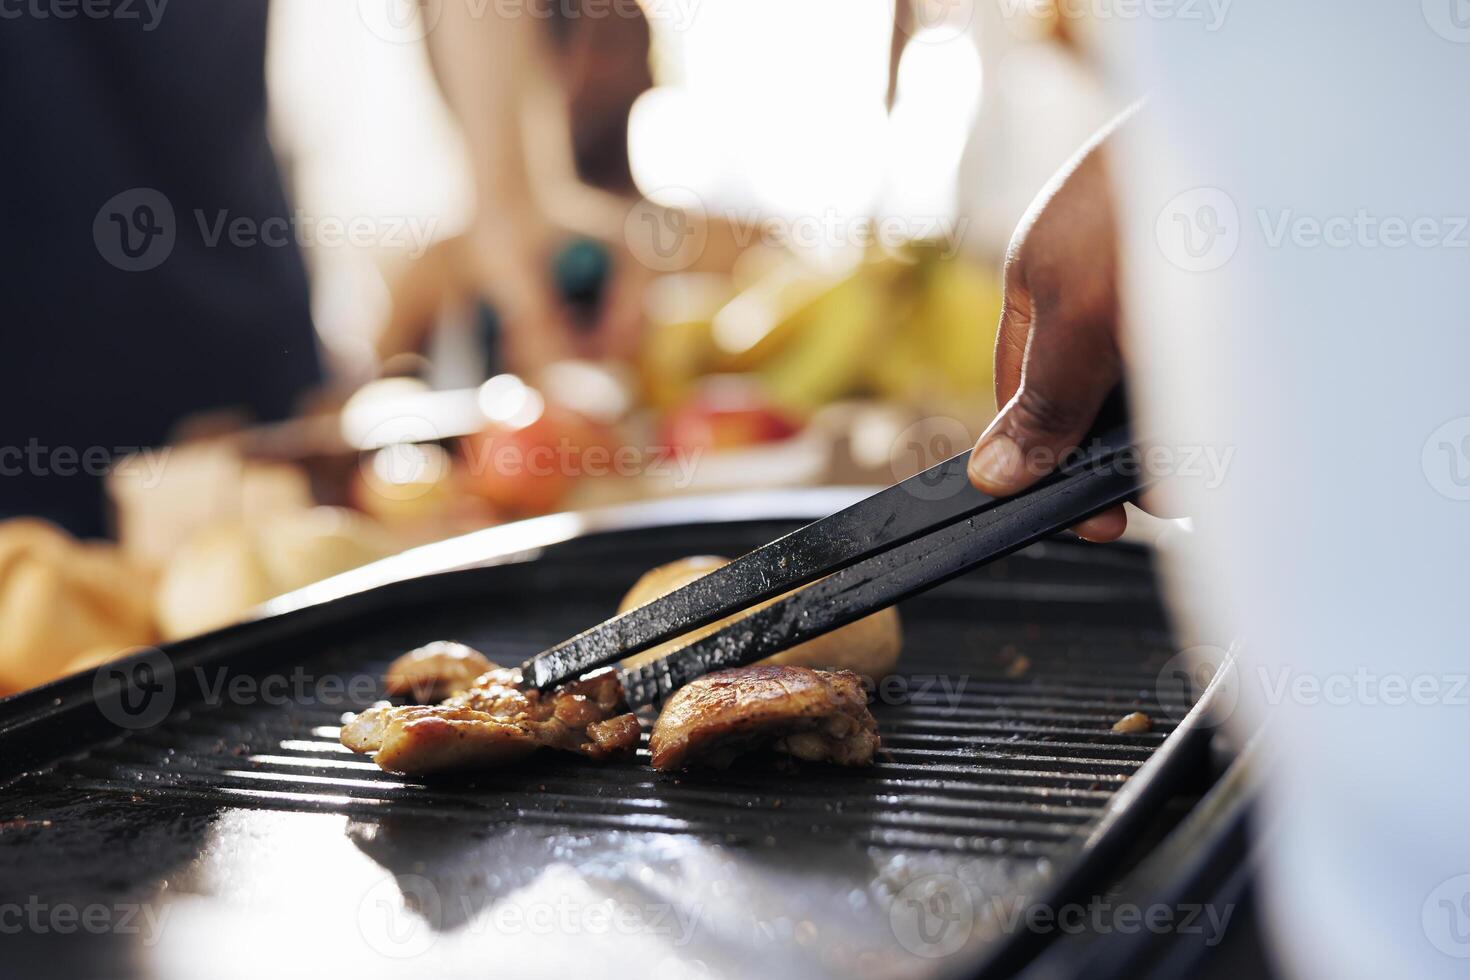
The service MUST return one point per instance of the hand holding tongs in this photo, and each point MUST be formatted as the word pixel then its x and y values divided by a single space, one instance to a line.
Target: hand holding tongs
pixel 900 541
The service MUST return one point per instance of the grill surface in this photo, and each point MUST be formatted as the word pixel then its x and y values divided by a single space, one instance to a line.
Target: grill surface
pixel 246 827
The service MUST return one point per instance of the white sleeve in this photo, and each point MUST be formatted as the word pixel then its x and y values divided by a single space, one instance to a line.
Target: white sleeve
pixel 1297 263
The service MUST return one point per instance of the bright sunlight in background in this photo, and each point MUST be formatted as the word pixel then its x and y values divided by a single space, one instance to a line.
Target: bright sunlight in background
pixel 763 107
pixel 767 107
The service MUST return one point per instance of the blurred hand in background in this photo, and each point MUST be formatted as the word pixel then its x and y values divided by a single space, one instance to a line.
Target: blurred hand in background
pixel 542 103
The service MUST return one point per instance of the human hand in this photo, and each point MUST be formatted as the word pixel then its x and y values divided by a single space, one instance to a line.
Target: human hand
pixel 508 263
pixel 1057 354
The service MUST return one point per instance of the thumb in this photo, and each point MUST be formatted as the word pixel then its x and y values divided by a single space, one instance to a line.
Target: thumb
pixel 1067 373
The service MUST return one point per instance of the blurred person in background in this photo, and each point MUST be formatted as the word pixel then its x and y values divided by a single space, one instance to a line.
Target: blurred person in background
pixel 151 270
pixel 542 100
pixel 121 316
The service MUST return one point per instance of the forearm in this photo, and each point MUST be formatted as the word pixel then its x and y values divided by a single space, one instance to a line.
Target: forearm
pixel 487 65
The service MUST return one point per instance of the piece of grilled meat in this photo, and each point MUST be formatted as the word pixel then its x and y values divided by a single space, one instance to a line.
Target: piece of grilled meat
pixel 496 721
pixel 435 671
pixel 816 715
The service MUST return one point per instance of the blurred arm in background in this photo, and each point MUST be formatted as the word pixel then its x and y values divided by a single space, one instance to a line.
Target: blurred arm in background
pixel 541 100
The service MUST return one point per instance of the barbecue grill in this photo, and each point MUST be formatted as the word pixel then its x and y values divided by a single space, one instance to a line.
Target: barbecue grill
pixel 199 791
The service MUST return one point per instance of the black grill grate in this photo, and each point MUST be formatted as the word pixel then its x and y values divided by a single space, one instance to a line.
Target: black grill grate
pixel 997 739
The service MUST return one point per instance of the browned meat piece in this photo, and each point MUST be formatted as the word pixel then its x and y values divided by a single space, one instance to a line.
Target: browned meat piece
pixel 817 715
pixel 495 722
pixel 435 671
pixel 618 736
pixel 437 738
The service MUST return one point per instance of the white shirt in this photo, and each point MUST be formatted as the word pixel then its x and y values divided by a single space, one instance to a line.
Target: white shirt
pixel 1316 324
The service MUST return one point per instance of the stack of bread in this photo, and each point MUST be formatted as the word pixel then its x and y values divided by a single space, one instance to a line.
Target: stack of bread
pixel 209 538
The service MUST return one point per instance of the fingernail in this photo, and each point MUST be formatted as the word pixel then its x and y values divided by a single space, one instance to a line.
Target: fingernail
pixel 997 466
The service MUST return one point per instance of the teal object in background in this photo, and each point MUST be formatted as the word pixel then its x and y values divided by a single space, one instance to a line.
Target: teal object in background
pixel 580 271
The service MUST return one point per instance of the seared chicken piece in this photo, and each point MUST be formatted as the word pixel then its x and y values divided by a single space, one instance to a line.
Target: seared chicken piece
pixel 817 715
pixel 435 671
pixel 437 738
pixel 495 722
pixel 869 647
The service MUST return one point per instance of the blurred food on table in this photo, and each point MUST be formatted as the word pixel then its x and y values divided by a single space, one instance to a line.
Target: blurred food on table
pixel 802 377
pixel 632 270
pixel 65 604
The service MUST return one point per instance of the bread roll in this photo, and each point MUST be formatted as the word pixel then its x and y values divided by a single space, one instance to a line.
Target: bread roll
pixel 60 599
pixel 868 647
pixel 222 572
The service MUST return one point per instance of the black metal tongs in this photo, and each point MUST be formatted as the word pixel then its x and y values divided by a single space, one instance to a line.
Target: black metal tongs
pixel 899 542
